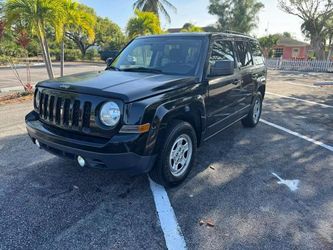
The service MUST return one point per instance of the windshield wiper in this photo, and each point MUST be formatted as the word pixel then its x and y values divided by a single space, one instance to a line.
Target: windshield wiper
pixel 143 69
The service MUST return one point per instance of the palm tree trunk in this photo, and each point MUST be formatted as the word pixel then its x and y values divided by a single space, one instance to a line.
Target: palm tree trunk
pixel 45 57
pixel 49 58
pixel 62 58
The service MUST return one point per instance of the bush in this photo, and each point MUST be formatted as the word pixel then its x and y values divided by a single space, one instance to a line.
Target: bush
pixel 91 54
pixel 70 54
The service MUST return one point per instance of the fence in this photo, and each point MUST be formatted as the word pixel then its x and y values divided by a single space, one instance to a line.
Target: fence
pixel 300 65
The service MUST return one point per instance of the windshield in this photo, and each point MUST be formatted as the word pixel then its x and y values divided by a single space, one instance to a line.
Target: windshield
pixel 162 55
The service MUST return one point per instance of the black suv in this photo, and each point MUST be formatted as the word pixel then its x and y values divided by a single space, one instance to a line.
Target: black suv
pixel 153 105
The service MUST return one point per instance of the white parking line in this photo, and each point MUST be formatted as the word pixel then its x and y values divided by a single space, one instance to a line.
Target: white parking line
pixel 172 233
pixel 303 85
pixel 301 100
pixel 321 144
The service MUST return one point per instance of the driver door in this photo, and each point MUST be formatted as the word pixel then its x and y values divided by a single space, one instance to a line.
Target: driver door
pixel 222 104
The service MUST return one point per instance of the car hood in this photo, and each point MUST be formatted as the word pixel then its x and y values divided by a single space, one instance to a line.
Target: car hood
pixel 128 86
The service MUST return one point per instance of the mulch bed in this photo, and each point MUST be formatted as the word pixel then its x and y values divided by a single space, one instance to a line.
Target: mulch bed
pixel 16 98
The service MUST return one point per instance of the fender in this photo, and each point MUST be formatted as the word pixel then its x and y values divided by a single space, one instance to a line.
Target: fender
pixel 191 109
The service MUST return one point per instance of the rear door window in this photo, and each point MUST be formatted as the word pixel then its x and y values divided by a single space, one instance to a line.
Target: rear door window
pixel 244 55
pixel 258 57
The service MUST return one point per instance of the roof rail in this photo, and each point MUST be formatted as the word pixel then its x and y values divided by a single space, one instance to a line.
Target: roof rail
pixel 233 32
pixel 236 33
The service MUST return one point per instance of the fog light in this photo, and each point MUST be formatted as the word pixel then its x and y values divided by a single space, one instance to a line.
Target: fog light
pixel 81 161
pixel 37 143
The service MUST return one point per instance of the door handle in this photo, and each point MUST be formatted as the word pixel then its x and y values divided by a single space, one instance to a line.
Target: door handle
pixel 236 82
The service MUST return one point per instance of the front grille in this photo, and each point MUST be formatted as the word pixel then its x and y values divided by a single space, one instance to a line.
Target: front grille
pixel 64 112
pixel 72 111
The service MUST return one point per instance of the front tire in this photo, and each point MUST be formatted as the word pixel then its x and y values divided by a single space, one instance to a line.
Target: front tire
pixel 176 156
pixel 253 117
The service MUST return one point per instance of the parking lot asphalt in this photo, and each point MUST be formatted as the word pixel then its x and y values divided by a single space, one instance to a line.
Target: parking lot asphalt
pixel 47 202
pixel 38 73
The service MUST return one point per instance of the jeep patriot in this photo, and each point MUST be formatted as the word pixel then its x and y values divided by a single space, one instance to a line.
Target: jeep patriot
pixel 153 105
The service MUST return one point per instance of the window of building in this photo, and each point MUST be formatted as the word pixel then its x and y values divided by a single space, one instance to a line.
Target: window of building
pixel 295 52
pixel 278 52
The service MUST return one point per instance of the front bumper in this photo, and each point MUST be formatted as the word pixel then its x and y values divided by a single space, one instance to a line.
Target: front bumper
pixel 112 154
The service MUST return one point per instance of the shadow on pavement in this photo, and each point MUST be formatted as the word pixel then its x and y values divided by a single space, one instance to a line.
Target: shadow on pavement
pixel 48 202
pixel 232 185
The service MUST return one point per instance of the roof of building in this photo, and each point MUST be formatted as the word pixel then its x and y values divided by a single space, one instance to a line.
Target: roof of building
pixel 286 41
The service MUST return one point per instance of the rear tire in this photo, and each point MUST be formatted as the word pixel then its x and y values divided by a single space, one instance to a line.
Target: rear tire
pixel 253 117
pixel 176 156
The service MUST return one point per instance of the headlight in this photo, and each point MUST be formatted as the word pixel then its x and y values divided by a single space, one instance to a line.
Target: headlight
pixel 110 114
pixel 37 99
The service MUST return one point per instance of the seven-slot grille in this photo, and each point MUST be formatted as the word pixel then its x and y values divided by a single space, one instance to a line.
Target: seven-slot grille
pixel 62 111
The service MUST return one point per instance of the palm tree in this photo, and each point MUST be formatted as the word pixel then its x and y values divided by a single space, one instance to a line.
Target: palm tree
pixel 75 17
pixel 36 15
pixel 144 23
pixel 155 6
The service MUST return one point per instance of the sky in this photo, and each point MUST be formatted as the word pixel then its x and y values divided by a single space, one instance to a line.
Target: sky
pixel 271 18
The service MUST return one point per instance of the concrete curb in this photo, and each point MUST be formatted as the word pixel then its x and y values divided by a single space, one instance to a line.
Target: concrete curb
pixel 11 89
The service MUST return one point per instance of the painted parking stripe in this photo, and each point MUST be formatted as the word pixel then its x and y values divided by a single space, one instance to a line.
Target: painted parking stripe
pixel 301 100
pixel 321 144
pixel 172 233
pixel 303 85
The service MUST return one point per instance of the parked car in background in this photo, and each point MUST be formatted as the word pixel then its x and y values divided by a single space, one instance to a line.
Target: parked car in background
pixel 156 102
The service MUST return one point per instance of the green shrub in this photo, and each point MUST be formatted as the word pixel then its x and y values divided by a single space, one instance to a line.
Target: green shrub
pixel 92 54
pixel 70 54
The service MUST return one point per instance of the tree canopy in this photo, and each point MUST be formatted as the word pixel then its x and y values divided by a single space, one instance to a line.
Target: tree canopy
pixel 144 23
pixel 189 27
pixel 316 15
pixel 35 15
pixel 236 15
pixel 156 6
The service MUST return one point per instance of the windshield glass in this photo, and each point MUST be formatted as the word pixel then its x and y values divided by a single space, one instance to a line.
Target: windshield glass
pixel 163 55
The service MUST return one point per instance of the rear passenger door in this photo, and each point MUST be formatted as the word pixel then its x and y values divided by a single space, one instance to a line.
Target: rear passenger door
pixel 245 66
pixel 222 104
pixel 259 69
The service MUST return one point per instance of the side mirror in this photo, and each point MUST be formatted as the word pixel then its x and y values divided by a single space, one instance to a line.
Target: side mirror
pixel 109 61
pixel 222 68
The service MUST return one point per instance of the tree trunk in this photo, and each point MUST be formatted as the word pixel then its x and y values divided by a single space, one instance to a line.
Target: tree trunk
pixel 49 58
pixel 330 47
pixel 318 47
pixel 45 51
pixel 82 49
pixel 42 45
pixel 62 58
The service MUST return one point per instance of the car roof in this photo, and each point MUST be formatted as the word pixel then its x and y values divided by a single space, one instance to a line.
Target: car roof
pixel 228 34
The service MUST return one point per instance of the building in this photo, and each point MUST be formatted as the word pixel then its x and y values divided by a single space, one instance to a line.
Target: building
pixel 288 49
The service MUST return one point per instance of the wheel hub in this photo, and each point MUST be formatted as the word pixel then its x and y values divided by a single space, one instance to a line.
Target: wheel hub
pixel 180 155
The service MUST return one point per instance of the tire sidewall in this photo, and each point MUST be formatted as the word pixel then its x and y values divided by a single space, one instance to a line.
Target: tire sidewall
pixel 182 128
pixel 258 96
